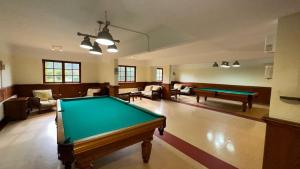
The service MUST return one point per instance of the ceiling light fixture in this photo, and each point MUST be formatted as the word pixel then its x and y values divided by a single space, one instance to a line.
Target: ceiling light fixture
pixel 96 49
pixel 225 64
pixel 236 64
pixel 86 43
pixel 112 48
pixel 215 64
pixel 105 38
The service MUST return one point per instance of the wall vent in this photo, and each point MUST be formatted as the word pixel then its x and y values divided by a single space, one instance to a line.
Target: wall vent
pixel 270 44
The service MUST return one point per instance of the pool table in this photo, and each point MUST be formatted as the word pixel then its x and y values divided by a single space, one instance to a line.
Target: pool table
pixel 245 97
pixel 91 127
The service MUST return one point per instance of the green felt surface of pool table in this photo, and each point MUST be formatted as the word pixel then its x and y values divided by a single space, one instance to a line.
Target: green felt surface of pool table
pixel 226 91
pixel 85 117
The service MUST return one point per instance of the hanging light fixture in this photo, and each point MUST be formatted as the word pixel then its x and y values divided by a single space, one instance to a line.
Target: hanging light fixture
pixel 236 64
pixel 86 43
pixel 215 64
pixel 96 49
pixel 225 64
pixel 104 37
pixel 112 48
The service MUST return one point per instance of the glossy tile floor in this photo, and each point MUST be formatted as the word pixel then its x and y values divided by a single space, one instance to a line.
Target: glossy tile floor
pixel 234 107
pixel 235 140
pixel 31 144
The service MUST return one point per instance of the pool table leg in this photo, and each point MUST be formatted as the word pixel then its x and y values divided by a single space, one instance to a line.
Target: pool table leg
pixel 250 102
pixel 161 130
pixel 244 106
pixel 84 165
pixel 198 97
pixel 146 149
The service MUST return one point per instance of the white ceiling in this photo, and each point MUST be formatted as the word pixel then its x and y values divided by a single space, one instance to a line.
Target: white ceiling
pixel 201 28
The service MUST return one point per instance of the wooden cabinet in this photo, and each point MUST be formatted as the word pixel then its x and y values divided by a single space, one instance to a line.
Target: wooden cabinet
pixel 16 108
pixel 282 144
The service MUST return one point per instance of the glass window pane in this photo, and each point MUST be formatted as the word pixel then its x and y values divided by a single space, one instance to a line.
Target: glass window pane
pixel 68 72
pixel 122 78
pixel 75 72
pixel 49 72
pixel 68 78
pixel 68 65
pixel 57 78
pixel 75 78
pixel 75 66
pixel 48 64
pixel 49 79
pixel 121 68
pixel 57 72
pixel 57 65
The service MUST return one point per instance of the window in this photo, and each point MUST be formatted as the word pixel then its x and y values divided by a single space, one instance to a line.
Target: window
pixel 126 73
pixel 159 74
pixel 61 71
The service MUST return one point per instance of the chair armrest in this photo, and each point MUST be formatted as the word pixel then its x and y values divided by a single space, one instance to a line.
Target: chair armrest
pixel 34 101
pixel 155 92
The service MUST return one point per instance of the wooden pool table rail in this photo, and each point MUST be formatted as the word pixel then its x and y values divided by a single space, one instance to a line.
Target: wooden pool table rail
pixel 86 150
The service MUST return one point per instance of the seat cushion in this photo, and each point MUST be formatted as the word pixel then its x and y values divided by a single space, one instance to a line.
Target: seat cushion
pixel 48 103
pixel 127 90
pixel 156 88
pixel 177 86
pixel 148 88
pixel 147 93
pixel 186 90
pixel 90 91
pixel 44 95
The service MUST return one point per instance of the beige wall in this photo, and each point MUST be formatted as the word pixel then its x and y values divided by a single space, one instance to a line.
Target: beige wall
pixel 286 80
pixel 143 71
pixel 5 57
pixel 6 74
pixel 250 75
pixel 28 67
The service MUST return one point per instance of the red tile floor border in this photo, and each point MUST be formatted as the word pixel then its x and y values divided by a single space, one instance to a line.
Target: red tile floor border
pixel 195 153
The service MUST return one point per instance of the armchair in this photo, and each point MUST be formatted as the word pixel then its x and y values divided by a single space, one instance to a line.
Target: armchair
pixel 152 91
pixel 93 92
pixel 42 99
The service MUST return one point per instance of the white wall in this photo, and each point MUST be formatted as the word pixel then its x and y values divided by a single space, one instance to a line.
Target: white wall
pixel 6 74
pixel 248 76
pixel 286 80
pixel 28 67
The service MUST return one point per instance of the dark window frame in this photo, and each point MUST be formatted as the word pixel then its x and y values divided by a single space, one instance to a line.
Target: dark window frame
pixel 162 74
pixel 126 81
pixel 63 70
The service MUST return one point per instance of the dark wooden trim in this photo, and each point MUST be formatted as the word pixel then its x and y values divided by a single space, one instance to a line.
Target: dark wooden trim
pixel 282 144
pixel 126 74
pixel 63 90
pixel 290 98
pixel 63 71
pixel 6 92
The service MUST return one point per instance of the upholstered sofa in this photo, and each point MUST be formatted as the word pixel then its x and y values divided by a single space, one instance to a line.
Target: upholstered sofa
pixel 152 92
pixel 183 89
